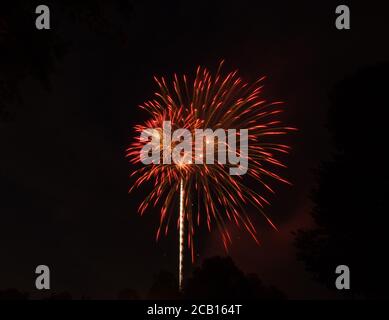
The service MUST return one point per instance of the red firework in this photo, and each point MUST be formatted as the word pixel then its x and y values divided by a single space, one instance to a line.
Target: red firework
pixel 210 101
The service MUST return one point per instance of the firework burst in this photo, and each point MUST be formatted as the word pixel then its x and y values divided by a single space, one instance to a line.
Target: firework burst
pixel 209 194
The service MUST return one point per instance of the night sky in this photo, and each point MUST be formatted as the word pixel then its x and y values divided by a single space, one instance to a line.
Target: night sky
pixel 64 178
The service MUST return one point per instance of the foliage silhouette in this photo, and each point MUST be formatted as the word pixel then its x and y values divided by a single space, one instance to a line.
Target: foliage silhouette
pixel 13 294
pixel 350 207
pixel 164 287
pixel 128 294
pixel 26 51
pixel 60 296
pixel 220 278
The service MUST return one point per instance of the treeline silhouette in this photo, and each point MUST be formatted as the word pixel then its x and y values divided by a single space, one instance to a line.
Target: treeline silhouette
pixel 350 200
pixel 26 52
pixel 216 278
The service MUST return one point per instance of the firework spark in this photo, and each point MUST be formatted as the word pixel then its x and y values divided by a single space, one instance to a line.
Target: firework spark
pixel 210 192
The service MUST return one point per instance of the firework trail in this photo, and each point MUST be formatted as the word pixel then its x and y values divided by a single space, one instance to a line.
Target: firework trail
pixel 207 191
pixel 181 221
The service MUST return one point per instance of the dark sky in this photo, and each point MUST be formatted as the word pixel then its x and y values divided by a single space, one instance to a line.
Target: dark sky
pixel 63 174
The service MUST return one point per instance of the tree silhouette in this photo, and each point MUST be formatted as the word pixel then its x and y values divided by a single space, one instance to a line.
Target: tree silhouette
pixel 128 294
pixel 350 208
pixel 13 294
pixel 220 278
pixel 26 51
pixel 60 296
pixel 164 287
